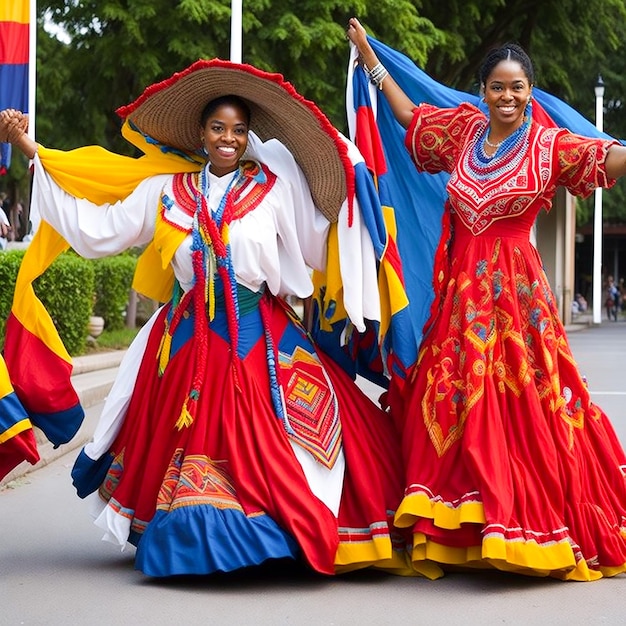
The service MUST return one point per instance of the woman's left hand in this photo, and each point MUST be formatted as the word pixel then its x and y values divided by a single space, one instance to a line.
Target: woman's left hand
pixel 13 124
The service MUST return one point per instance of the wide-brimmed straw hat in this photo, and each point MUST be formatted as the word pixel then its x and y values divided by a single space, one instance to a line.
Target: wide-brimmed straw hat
pixel 169 113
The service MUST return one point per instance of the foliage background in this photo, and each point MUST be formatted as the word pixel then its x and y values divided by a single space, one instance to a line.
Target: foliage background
pixel 66 289
pixel 72 289
pixel 113 277
pixel 113 49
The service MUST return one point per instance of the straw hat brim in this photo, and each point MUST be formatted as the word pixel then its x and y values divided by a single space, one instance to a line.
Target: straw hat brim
pixel 169 113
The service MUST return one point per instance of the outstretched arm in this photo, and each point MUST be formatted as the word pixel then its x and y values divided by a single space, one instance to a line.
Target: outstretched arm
pixel 13 127
pixel 401 105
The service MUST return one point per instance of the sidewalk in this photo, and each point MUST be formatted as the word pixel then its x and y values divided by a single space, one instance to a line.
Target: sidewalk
pixel 93 376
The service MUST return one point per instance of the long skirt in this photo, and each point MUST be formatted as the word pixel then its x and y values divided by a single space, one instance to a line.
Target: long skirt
pixel 508 462
pixel 230 490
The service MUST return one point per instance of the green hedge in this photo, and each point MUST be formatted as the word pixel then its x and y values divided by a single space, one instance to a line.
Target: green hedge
pixel 10 262
pixel 68 290
pixel 113 279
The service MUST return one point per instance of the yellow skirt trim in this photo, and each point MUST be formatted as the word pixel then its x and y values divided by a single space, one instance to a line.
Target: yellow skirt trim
pixel 556 560
pixel 419 505
pixel 378 554
pixel 609 572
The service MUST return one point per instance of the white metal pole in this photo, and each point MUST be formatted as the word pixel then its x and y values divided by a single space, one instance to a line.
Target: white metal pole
pixel 597 219
pixel 32 66
pixel 236 26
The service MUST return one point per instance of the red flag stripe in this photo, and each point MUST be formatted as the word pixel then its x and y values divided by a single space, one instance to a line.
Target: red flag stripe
pixel 40 377
pixel 13 43
pixel 368 141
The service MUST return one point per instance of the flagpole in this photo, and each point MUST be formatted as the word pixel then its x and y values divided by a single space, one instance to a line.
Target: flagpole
pixel 236 25
pixel 32 66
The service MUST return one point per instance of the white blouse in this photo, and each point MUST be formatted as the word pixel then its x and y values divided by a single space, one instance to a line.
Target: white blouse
pixel 276 244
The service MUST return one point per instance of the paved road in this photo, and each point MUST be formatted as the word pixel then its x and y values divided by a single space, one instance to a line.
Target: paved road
pixel 55 570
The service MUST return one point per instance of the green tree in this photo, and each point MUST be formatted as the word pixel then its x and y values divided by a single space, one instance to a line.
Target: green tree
pixel 117 48
pixel 611 69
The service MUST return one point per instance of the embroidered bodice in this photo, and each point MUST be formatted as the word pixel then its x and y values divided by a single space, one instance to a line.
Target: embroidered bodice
pixel 517 181
pixel 274 239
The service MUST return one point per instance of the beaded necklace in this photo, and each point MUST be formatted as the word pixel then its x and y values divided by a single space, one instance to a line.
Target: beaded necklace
pixel 506 158
pixel 211 256
pixel 210 249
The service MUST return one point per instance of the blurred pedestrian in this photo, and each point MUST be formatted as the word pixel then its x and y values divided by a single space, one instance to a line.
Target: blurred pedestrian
pixel 612 302
pixel 5 229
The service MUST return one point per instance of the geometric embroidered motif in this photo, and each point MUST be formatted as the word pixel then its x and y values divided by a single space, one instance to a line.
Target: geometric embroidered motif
pixel 311 405
pixel 195 480
pixel 112 478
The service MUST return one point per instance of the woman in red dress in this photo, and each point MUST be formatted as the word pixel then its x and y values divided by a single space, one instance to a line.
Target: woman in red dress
pixel 508 463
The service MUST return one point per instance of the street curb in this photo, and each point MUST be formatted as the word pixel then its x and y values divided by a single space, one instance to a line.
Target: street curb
pixel 96 361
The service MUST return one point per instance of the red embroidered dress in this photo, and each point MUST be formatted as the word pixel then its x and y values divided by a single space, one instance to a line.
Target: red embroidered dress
pixel 508 462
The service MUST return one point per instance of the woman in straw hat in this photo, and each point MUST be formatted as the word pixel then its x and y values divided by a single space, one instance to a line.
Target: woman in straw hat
pixel 228 439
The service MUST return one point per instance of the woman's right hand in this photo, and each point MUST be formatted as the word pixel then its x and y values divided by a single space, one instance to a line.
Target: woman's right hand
pixel 13 124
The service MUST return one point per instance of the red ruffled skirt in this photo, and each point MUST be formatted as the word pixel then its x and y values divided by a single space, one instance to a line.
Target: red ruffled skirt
pixel 227 491
pixel 508 462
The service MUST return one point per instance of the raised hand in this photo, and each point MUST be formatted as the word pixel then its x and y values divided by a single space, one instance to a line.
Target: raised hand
pixel 358 36
pixel 400 103
pixel 13 124
pixel 13 127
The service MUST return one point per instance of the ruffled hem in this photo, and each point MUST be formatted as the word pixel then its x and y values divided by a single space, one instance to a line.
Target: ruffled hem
pixel 380 548
pixel 552 554
pixel 444 514
pixel 526 559
pixel 375 552
pixel 203 540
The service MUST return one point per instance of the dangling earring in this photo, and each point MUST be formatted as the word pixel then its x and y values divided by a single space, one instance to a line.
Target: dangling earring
pixel 204 150
pixel 528 111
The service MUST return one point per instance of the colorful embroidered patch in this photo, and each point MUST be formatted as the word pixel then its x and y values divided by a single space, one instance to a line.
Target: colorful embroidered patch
pixel 311 405
pixel 194 480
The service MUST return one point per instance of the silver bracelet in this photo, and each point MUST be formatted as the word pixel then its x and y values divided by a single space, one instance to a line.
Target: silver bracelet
pixel 377 74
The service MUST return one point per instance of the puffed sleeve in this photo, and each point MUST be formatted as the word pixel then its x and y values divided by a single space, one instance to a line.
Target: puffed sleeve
pixel 97 230
pixel 581 163
pixel 303 234
pixel 435 136
pixel 300 228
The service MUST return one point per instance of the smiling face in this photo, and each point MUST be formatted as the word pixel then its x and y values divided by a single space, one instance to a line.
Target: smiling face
pixel 225 137
pixel 507 92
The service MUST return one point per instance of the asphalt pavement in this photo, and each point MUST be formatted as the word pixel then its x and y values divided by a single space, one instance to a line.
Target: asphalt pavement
pixel 55 570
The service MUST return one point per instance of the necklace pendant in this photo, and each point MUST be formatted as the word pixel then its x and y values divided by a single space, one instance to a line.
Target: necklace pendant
pixel 492 145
